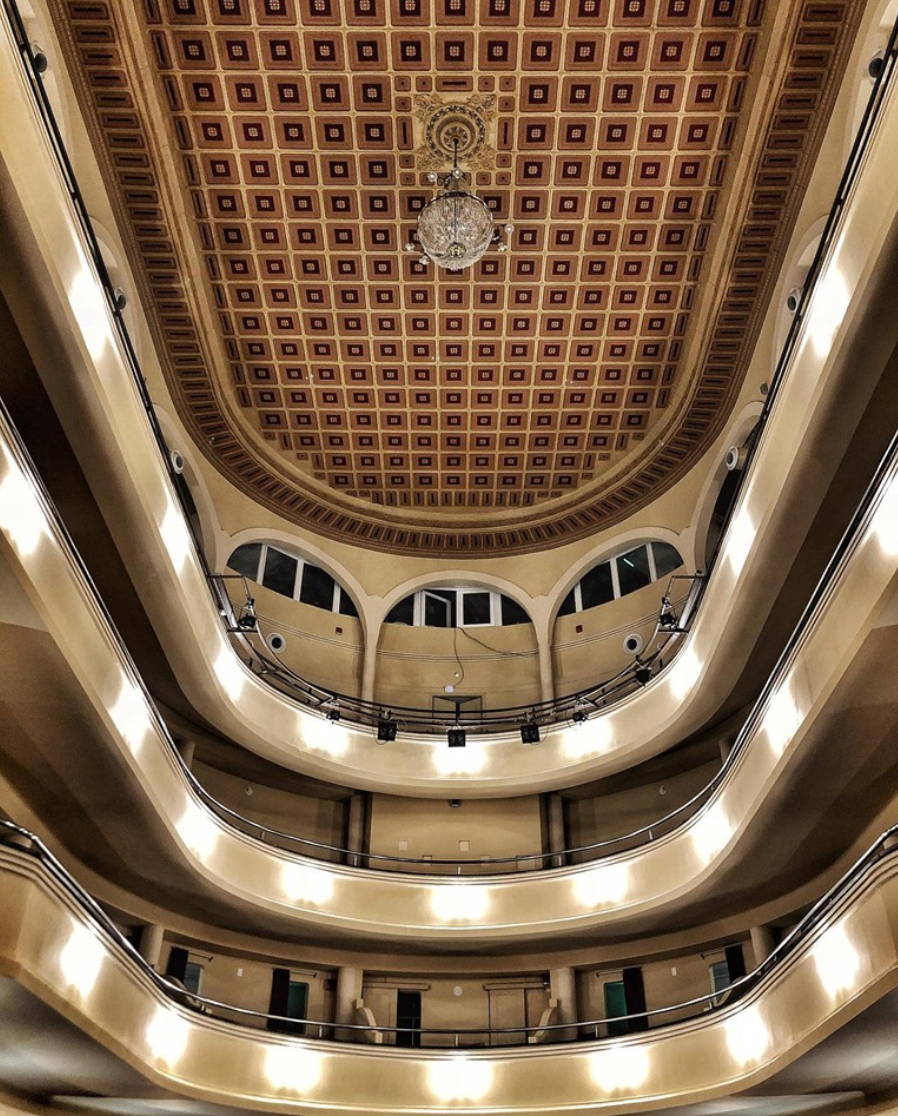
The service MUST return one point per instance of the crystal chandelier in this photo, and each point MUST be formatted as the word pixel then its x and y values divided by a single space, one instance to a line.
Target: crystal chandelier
pixel 455 228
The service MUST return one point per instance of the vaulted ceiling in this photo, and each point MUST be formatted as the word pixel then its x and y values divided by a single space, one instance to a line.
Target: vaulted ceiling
pixel 268 160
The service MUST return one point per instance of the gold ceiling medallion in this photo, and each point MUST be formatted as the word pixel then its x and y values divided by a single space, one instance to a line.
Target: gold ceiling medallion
pixel 455 129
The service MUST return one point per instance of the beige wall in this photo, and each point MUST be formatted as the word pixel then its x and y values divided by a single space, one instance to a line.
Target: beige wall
pixel 456 1001
pixel 492 827
pixel 501 664
pixel 246 982
pixel 582 658
pixel 463 1003
pixel 615 813
pixel 672 981
pixel 319 819
pixel 324 647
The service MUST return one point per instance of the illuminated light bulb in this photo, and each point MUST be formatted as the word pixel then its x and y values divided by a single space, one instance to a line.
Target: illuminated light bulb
pixel 782 719
pixel 175 536
pixel 459 902
pixel 459 761
pixel 829 302
pixel 747 1035
pixel 229 672
pixel 711 832
pixel 306 883
pixel 739 540
pixel 837 961
pixel 21 515
pixel 460 1079
pixel 197 830
pixel 590 738
pixel 684 674
pixel 885 520
pixel 620 1068
pixel 323 736
pixel 293 1068
pixel 131 716
pixel 603 885
pixel 88 304
pixel 80 959
pixel 166 1035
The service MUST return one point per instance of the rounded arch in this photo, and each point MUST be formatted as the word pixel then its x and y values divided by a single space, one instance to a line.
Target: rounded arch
pixel 460 579
pixel 177 441
pixel 792 277
pixel 735 435
pixel 420 663
pixel 40 32
pixel 604 551
pixel 875 40
pixel 308 552
pixel 120 275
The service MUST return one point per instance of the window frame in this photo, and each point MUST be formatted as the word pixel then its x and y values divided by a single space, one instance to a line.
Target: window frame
pixel 301 564
pixel 612 561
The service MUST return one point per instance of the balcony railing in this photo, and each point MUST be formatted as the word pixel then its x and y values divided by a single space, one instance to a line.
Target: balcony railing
pixel 815 920
pixel 368 715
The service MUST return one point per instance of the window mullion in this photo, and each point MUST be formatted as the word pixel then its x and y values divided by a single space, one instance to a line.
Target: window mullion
pixel 297 584
pixel 615 580
pixel 653 572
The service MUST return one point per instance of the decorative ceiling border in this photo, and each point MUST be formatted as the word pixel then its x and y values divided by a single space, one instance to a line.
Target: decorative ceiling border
pixel 819 43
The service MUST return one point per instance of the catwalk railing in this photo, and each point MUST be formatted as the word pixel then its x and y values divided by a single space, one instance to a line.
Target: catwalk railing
pixel 413 720
pixel 885 476
pixel 27 843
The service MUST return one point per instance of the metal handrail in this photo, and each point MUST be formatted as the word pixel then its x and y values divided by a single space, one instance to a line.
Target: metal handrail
pixel 15 836
pixel 368 714
pixel 645 834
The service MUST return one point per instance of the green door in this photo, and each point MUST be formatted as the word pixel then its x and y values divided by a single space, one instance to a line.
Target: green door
pixel 297 1003
pixel 615 1005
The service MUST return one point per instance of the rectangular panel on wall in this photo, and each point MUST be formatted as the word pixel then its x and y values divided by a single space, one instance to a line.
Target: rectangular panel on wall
pixel 508 1008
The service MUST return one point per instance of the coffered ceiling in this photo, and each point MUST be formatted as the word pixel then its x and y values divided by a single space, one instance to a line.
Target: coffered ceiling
pixel 269 159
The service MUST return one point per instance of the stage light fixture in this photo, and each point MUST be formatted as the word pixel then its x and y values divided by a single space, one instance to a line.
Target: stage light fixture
pixel 457 737
pixel 530 732
pixel 333 714
pixel 386 730
pixel 667 619
pixel 643 674
pixel 578 716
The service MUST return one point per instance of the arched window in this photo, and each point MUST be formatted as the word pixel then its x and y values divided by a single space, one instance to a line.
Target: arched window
pixel 439 607
pixel 291 576
pixel 620 575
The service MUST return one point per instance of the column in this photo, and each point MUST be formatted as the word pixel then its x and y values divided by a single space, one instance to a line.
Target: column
pixel 369 669
pixel 562 987
pixel 555 824
pixel 762 942
pixel 150 947
pixel 355 829
pixel 186 748
pixel 349 989
pixel 546 671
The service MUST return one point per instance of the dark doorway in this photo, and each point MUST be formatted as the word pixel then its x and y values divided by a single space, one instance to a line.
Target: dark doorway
pixel 408 1014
